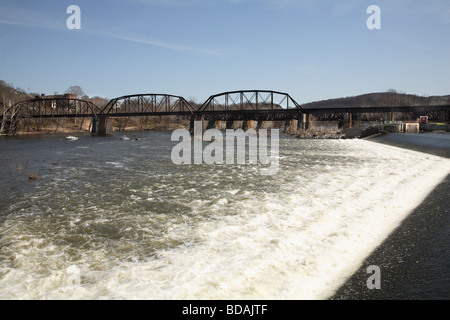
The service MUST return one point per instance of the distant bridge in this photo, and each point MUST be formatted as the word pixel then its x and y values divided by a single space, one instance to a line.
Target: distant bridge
pixel 242 105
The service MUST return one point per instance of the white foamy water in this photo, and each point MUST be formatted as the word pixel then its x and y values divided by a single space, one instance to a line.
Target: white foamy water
pixel 212 232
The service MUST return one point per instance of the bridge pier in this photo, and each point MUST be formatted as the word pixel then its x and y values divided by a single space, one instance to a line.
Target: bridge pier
pixel 195 118
pixel 291 126
pixel 8 125
pixel 259 125
pixel 245 125
pixel 211 124
pixel 100 126
pixel 4 129
pixel 93 127
pixel 442 116
pixel 306 121
pixel 287 125
pixel 301 122
pixel 191 125
pixel 347 121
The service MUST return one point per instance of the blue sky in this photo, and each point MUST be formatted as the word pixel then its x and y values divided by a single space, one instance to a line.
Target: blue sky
pixel 311 49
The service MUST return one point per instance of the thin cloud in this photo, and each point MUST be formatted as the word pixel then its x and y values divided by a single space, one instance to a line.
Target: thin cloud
pixel 28 24
pixel 170 46
pixel 188 3
pixel 26 18
pixel 176 3
pixel 16 23
pixel 262 3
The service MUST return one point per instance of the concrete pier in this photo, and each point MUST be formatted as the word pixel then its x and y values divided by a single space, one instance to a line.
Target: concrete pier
pixel 101 127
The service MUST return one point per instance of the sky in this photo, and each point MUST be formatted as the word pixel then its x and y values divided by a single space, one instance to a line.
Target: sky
pixel 311 49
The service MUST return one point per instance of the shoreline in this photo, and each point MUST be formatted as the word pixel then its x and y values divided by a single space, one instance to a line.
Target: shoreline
pixel 414 260
pixel 434 143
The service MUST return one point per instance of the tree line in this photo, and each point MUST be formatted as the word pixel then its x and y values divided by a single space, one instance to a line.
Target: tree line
pixel 9 95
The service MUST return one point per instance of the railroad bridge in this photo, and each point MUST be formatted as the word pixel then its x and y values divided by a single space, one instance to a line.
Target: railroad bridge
pixel 46 108
pixel 243 105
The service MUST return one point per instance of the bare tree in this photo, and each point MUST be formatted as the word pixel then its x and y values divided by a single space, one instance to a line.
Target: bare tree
pixel 76 90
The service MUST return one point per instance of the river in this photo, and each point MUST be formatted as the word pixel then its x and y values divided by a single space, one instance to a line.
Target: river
pixel 107 218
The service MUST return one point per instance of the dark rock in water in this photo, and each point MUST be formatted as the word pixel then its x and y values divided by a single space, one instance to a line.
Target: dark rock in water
pixel 325 135
pixel 370 131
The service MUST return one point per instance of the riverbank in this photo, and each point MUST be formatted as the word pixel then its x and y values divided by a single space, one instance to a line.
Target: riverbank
pixel 433 142
pixel 415 260
pixel 58 126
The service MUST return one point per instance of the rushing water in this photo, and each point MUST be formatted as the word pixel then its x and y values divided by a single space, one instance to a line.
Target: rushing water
pixel 113 219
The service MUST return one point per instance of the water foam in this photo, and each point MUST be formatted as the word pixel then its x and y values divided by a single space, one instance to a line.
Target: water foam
pixel 300 248
pixel 299 240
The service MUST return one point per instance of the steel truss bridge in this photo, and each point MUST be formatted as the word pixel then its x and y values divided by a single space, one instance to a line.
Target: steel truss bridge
pixel 242 105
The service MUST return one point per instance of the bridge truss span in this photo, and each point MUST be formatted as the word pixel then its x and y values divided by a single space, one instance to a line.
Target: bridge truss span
pixel 46 108
pixel 249 100
pixel 52 108
pixel 147 105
